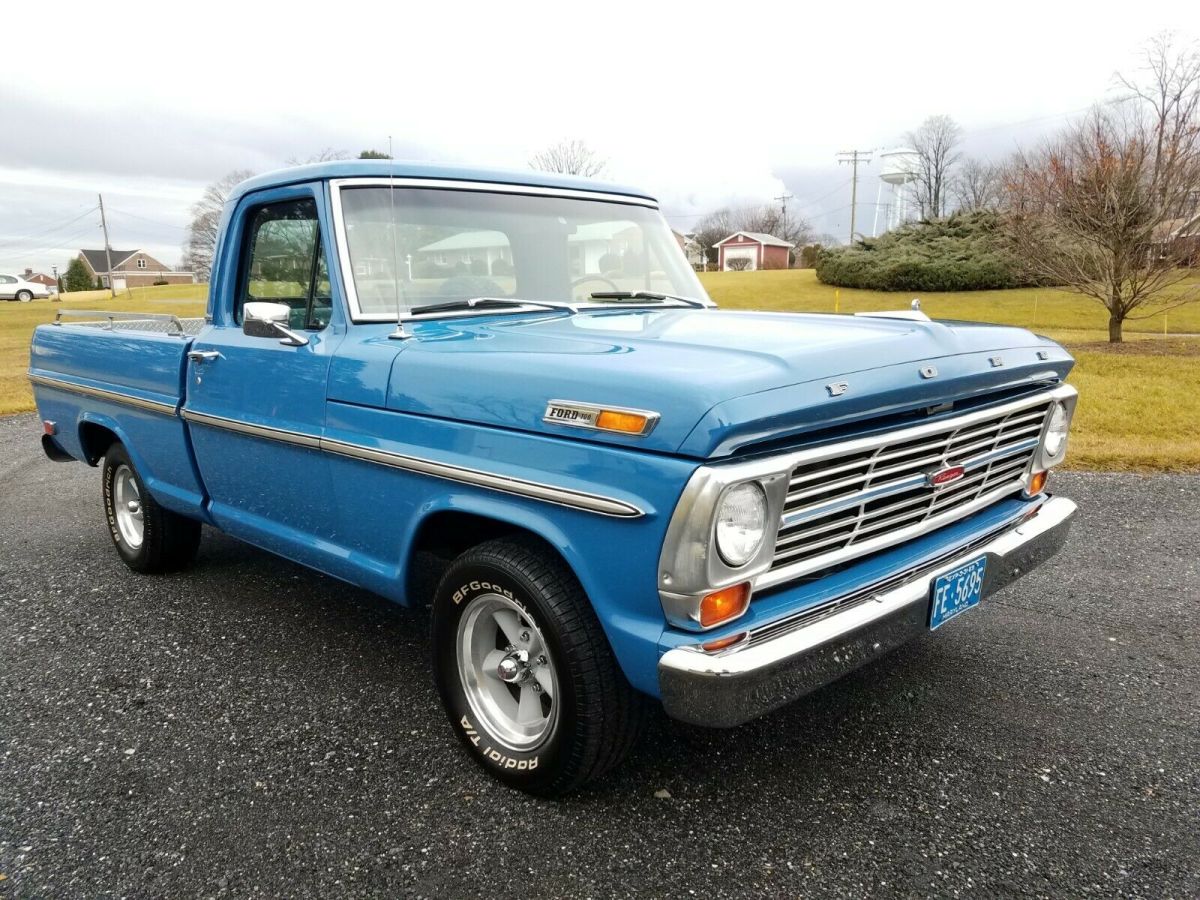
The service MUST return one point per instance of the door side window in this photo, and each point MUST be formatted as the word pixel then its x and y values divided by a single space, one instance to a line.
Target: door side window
pixel 285 263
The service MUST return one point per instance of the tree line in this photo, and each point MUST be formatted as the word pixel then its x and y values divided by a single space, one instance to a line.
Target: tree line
pixel 1097 208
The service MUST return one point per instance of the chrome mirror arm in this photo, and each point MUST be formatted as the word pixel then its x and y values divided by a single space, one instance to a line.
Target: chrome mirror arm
pixel 290 338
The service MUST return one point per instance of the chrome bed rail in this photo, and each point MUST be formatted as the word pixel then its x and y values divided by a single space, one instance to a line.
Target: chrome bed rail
pixel 165 323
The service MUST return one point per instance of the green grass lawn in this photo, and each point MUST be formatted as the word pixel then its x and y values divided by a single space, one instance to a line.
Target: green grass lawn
pixel 1139 406
pixel 17 321
pixel 1139 402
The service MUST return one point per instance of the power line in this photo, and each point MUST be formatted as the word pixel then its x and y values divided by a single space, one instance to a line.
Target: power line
pixel 66 242
pixel 53 228
pixel 804 201
pixel 144 219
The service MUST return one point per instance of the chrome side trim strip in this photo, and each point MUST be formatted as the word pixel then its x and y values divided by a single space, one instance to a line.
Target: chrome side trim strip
pixel 157 406
pixel 282 435
pixel 596 503
pixel 562 496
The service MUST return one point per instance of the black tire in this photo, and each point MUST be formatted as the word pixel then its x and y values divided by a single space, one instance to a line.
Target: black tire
pixel 599 716
pixel 169 540
pixel 24 296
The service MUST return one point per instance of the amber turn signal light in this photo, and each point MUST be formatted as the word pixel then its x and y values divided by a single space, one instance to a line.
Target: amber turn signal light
pixel 725 604
pixel 723 643
pixel 1036 483
pixel 624 422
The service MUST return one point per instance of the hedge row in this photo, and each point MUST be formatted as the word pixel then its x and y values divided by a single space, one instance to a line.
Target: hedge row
pixel 960 253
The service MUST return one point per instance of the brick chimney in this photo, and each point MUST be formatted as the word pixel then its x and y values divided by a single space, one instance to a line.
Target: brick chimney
pixel 28 272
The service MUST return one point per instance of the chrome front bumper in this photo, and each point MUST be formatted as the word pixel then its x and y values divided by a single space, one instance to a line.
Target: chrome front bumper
pixel 783 661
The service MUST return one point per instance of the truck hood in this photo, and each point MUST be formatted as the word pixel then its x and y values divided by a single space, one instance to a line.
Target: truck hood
pixel 721 380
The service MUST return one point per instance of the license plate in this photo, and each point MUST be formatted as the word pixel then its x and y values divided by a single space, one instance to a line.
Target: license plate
pixel 956 592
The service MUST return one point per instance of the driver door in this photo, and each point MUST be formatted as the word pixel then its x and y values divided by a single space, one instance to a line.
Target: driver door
pixel 256 405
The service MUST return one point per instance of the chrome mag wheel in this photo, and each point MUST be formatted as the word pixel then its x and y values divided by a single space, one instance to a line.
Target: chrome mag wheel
pixel 507 672
pixel 127 507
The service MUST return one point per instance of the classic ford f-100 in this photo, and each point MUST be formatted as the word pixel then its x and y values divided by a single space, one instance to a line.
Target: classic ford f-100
pixel 615 491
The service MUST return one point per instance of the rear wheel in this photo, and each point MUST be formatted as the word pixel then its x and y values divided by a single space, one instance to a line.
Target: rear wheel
pixel 147 537
pixel 24 296
pixel 525 671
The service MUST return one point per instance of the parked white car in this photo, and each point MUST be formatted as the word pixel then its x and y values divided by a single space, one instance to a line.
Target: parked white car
pixel 14 287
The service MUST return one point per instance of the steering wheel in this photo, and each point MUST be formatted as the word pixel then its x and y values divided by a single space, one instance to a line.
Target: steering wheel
pixel 593 277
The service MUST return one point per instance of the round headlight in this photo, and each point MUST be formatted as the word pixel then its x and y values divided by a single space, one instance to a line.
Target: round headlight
pixel 1056 432
pixel 741 523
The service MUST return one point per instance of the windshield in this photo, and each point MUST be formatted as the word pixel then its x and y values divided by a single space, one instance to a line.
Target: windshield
pixel 413 247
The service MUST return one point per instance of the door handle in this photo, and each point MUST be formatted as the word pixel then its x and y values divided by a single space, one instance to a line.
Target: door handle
pixel 200 356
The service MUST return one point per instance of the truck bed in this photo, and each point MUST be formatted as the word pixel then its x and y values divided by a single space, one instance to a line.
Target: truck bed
pixel 121 374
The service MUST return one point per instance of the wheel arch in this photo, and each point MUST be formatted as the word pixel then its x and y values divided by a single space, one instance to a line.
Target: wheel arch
pixel 445 533
pixel 453 523
pixel 95 437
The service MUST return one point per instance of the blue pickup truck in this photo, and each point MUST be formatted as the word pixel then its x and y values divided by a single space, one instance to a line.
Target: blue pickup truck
pixel 507 396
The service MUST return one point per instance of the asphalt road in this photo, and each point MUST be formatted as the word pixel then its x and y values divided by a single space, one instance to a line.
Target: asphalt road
pixel 250 728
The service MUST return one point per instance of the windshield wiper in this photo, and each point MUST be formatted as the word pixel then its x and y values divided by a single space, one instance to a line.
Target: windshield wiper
pixel 633 296
pixel 479 302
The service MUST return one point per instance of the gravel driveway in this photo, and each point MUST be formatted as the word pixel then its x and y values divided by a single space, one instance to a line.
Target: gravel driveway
pixel 250 728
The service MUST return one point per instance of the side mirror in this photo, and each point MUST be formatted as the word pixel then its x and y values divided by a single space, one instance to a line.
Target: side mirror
pixel 263 319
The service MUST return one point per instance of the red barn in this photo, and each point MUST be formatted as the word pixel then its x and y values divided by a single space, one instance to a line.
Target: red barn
pixel 747 250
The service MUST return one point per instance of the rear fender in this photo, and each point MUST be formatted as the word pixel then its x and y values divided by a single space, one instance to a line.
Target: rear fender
pixel 148 438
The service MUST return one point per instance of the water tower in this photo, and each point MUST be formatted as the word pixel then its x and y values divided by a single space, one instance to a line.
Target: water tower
pixel 898 172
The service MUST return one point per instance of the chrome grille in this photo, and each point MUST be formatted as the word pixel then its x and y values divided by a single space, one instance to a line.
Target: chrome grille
pixel 846 505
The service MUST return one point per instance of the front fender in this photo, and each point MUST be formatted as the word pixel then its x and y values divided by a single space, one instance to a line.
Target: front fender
pixel 615 561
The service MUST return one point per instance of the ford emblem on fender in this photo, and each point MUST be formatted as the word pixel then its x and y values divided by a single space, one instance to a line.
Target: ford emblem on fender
pixel 943 477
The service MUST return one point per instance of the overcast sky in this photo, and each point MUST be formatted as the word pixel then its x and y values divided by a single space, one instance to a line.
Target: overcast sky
pixel 148 102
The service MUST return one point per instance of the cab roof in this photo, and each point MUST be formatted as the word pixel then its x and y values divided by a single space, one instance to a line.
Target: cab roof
pixel 384 168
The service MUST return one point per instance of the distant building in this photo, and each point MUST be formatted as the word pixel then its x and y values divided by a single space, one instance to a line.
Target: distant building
pixel 748 250
pixel 131 268
pixel 1180 238
pixel 691 248
pixel 41 278
pixel 591 248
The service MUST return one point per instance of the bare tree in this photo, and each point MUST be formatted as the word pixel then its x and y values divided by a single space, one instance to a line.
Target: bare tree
pixel 1170 93
pixel 1094 209
pixel 327 154
pixel 977 185
pixel 206 217
pixel 570 158
pixel 936 145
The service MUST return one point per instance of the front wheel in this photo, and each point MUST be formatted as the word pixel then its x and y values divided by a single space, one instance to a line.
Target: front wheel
pixel 525 671
pixel 147 537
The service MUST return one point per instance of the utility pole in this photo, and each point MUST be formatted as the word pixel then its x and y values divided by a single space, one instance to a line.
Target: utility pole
pixel 783 199
pixel 854 157
pixel 107 249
